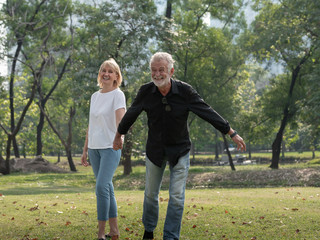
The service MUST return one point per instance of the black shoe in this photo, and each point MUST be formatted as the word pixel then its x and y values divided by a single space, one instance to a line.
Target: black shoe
pixel 147 235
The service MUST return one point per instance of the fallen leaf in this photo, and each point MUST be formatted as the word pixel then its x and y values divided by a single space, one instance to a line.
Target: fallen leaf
pixel 68 223
pixel 34 208
pixel 261 217
pixel 194 226
pixel 226 211
pixel 294 209
pixel 297 231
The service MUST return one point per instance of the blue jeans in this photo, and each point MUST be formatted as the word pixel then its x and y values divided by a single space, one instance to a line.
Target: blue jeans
pixel 178 178
pixel 104 163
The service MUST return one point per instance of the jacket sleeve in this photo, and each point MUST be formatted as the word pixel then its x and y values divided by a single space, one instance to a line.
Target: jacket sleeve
pixel 199 107
pixel 132 114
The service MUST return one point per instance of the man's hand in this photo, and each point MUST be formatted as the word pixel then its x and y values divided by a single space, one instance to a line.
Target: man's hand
pixel 240 143
pixel 118 141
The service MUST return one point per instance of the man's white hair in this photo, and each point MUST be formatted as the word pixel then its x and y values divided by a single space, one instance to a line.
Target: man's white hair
pixel 163 56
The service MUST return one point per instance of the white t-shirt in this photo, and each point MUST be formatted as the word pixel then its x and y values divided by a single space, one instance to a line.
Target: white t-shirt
pixel 102 119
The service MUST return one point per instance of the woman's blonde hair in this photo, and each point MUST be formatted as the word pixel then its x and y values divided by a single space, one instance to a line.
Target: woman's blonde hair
pixel 115 67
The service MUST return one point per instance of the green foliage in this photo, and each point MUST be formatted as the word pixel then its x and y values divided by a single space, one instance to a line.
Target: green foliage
pixel 216 60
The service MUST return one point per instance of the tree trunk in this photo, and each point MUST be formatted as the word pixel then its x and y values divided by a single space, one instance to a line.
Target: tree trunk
pixel 15 147
pixel 126 154
pixel 2 165
pixel 283 150
pixel 169 9
pixel 24 150
pixel 67 144
pixel 228 152
pixel 39 134
pixel 58 160
pixel 70 160
pixel 72 113
pixel 8 153
pixel 249 149
pixel 216 146
pixel 276 145
pixel 314 149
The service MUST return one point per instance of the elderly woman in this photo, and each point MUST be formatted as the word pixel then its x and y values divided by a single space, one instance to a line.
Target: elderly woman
pixel 107 107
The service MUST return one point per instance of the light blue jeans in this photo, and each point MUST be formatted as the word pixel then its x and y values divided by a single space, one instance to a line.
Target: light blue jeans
pixel 178 178
pixel 104 163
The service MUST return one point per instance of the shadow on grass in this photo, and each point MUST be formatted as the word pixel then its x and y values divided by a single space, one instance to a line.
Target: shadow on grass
pixel 46 183
pixel 45 190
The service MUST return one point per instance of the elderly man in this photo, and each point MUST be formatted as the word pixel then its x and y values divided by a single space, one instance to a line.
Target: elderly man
pixel 167 103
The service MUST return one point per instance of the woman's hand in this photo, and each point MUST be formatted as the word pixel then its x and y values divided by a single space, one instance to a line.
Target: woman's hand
pixel 84 161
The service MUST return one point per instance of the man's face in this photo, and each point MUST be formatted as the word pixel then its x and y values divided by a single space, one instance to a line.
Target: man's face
pixel 160 75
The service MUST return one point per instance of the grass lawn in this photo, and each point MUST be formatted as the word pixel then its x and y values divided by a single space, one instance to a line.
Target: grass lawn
pixel 63 206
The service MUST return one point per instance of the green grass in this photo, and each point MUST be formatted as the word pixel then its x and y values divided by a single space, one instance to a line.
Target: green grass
pixel 63 206
pixel 296 155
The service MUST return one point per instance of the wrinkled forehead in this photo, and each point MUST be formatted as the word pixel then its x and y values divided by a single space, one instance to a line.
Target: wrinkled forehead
pixel 158 63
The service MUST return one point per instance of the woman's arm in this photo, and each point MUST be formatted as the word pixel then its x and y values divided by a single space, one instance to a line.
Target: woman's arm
pixel 118 140
pixel 85 151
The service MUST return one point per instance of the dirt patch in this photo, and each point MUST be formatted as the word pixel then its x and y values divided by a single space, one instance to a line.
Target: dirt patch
pixel 37 164
pixel 280 177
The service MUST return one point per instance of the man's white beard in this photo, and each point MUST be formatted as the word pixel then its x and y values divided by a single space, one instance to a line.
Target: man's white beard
pixel 161 83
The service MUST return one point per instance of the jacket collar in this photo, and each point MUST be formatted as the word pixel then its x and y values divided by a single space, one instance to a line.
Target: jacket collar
pixel 174 88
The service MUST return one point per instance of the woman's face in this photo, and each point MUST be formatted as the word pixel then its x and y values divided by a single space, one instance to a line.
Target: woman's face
pixel 108 76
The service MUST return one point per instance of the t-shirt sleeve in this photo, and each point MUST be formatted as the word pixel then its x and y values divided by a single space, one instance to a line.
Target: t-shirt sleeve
pixel 119 101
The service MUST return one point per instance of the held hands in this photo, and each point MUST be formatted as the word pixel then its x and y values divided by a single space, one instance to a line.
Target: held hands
pixel 118 141
pixel 240 143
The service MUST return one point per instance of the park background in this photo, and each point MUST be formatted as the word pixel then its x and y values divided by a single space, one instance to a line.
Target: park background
pixel 256 62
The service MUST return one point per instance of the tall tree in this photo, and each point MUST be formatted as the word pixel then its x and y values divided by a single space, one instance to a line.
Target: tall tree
pixel 22 20
pixel 120 31
pixel 285 32
pixel 207 56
